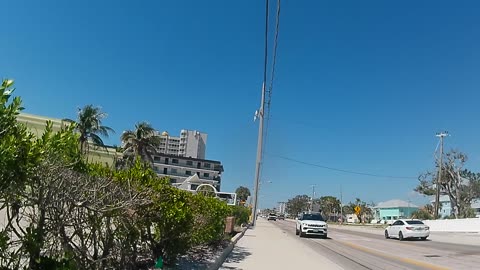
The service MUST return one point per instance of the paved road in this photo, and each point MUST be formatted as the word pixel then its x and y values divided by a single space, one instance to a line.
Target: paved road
pixel 360 250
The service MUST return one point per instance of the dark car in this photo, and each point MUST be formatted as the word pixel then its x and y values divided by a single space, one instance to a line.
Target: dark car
pixel 281 217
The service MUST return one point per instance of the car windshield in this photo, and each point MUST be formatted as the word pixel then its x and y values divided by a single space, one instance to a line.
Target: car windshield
pixel 415 222
pixel 313 217
pixel 272 214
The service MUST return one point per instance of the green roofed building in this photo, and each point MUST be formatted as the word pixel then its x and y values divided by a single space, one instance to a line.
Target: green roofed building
pixel 394 209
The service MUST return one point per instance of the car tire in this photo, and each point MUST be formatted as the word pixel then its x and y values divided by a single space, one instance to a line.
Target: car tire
pixel 423 238
pixel 301 233
pixel 400 236
pixel 386 235
pixel 324 236
pixel 296 231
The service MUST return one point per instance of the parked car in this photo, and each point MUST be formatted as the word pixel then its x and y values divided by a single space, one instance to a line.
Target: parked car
pixel 311 223
pixel 407 228
pixel 281 217
pixel 272 216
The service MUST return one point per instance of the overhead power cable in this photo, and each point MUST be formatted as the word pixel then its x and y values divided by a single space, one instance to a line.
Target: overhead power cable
pixel 268 100
pixel 343 170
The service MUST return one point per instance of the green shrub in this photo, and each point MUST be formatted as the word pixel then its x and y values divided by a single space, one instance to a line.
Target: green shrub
pixel 88 216
pixel 241 214
pixel 209 224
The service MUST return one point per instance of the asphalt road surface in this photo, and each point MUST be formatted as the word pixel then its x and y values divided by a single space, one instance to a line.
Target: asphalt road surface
pixel 361 250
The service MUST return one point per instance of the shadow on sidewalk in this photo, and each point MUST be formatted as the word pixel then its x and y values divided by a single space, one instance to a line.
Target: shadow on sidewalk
pixel 238 254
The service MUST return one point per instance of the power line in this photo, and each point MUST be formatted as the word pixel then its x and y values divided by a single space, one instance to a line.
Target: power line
pixel 272 76
pixel 343 170
pixel 266 45
pixel 275 45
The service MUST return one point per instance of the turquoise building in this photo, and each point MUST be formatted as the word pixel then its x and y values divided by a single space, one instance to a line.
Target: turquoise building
pixel 394 209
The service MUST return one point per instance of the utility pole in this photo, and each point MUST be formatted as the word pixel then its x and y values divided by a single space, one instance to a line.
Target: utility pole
pixel 260 126
pixel 441 135
pixel 313 196
pixel 341 205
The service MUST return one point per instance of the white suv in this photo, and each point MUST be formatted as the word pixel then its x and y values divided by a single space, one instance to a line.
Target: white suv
pixel 311 223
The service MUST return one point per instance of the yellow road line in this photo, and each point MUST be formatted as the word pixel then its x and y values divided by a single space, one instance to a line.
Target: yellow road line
pixel 405 260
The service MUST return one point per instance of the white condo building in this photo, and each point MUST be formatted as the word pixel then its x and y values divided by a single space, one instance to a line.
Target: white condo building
pixel 191 143
pixel 179 169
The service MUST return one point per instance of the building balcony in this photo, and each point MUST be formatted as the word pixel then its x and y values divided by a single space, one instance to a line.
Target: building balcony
pixel 184 166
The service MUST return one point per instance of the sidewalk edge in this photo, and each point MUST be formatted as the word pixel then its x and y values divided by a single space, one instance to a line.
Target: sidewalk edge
pixel 221 259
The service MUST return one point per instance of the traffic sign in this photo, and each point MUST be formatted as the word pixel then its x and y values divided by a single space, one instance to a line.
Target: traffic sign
pixel 357 209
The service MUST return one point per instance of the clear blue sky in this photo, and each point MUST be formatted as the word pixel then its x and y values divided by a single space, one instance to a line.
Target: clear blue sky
pixel 359 86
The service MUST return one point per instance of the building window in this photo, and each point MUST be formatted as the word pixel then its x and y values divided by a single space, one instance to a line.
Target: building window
pixel 173 170
pixel 156 159
pixel 173 180
pixel 206 175
pixel 206 165
pixel 165 170
pixel 189 162
pixel 188 172
pixel 174 160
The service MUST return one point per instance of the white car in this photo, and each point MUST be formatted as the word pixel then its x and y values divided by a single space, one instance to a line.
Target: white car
pixel 272 216
pixel 311 223
pixel 407 228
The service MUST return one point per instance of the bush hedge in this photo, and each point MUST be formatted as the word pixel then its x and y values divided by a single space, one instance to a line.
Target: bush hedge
pixel 63 213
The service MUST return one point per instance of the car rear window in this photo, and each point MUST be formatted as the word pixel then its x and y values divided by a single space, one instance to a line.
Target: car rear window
pixel 415 222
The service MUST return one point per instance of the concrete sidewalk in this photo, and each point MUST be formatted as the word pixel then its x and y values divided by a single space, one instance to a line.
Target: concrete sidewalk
pixel 268 247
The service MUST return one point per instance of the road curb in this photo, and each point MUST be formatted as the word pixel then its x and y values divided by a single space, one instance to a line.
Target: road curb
pixel 221 259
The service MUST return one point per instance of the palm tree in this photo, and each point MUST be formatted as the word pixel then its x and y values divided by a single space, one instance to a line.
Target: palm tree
pixel 89 125
pixel 143 141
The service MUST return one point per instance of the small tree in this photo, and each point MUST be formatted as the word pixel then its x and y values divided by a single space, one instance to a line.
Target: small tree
pixel 298 204
pixel 422 214
pixel 242 193
pixel 365 213
pixel 143 142
pixel 328 205
pixel 89 126
pixel 460 184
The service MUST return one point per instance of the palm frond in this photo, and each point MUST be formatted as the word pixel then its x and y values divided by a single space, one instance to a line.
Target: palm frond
pixel 127 135
pixel 96 139
pixel 104 131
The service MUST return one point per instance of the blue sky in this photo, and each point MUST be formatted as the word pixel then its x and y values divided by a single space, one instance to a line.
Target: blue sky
pixel 359 86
